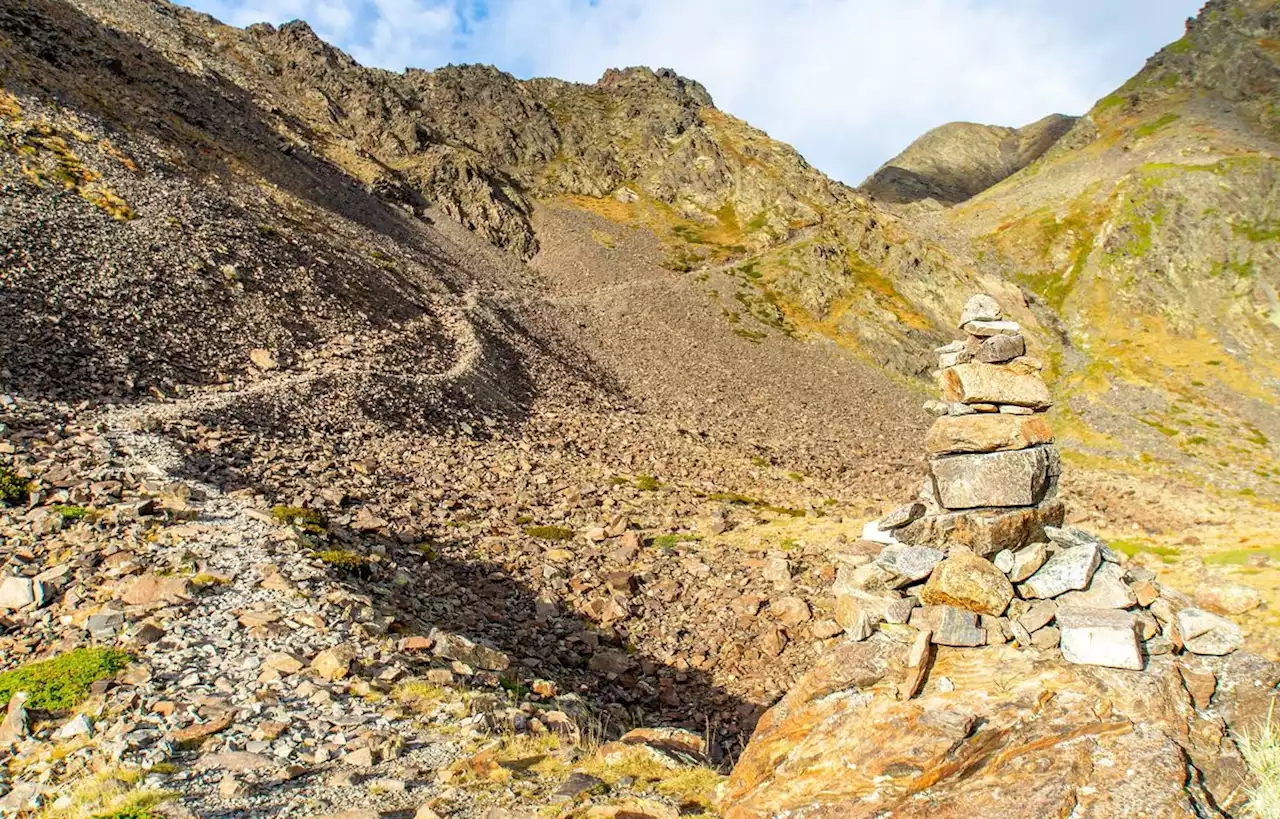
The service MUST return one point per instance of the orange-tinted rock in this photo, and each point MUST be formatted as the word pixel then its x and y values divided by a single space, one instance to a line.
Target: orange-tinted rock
pixel 986 433
pixel 977 383
pixel 1021 743
pixel 969 582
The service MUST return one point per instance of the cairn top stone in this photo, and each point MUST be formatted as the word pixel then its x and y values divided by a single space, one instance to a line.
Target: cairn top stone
pixel 981 308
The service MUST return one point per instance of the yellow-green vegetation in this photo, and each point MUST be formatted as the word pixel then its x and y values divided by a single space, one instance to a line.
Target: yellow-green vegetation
pixel 61 682
pixel 73 513
pixel 549 532
pixel 47 158
pixel 13 489
pixel 307 520
pixel 418 695
pixel 755 503
pixel 110 794
pixel 208 581
pixel 1261 751
pixel 1158 124
pixel 646 483
pixel 1239 557
pixel 341 558
pixel 1132 546
pixel 688 785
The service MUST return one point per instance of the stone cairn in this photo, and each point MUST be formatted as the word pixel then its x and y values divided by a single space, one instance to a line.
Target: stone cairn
pixel 983 557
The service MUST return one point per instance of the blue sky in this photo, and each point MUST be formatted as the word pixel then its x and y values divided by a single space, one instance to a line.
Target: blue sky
pixel 848 82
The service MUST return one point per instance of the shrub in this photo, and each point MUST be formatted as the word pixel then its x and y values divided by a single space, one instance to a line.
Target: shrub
pixel 63 681
pixel 13 490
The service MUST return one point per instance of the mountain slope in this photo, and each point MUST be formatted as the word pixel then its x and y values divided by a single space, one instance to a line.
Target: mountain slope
pixel 1147 233
pixel 959 160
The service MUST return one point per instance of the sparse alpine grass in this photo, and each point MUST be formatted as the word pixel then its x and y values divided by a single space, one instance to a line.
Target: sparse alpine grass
pixel 1261 751
pixel 61 682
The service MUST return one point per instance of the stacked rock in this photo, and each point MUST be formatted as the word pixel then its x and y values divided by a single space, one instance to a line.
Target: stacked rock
pixel 993 468
pixel 983 557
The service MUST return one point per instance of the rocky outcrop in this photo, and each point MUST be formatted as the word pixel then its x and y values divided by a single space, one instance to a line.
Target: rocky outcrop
pixel 998 732
pixel 959 160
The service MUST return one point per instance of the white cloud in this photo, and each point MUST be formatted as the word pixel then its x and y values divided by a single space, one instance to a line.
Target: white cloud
pixel 849 82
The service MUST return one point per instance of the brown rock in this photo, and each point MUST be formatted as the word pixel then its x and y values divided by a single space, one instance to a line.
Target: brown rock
pixel 194 734
pixel 978 383
pixel 334 663
pixel 1200 684
pixel 967 581
pixel 1219 595
pixel 986 433
pixel 790 611
pixel 152 589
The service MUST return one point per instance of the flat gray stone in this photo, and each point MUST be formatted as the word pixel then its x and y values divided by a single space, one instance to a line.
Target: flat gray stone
pixel 1205 633
pixel 1001 348
pixel 1038 616
pixel 992 479
pixel 980 307
pixel 1106 590
pixel 958 627
pixel 1104 637
pixel 1069 537
pixel 992 328
pixel 1027 561
pixel 1068 570
pixel 908 564
pixel 899 611
pixel 908 513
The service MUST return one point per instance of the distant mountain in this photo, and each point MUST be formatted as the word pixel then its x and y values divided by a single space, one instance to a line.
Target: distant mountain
pixel 956 161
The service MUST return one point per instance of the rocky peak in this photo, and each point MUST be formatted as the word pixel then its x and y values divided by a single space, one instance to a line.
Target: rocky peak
pixel 664 81
pixel 297 37
pixel 959 160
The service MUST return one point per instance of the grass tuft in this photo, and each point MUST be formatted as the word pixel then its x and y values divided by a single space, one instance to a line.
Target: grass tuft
pixel 1261 751
pixel 63 681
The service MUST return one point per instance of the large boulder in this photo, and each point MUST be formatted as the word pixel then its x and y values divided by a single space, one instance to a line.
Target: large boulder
pixel 1016 478
pixel 1040 737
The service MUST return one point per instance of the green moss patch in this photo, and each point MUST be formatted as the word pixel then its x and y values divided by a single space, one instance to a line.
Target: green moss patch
pixel 308 520
pixel 549 532
pixel 341 558
pixel 63 681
